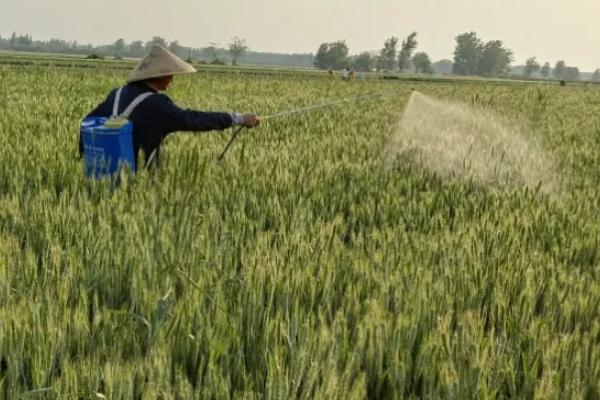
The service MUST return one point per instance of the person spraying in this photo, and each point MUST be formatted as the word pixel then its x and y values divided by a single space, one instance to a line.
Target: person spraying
pixel 138 117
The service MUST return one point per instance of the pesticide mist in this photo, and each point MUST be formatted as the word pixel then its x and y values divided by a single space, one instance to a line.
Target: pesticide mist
pixel 457 141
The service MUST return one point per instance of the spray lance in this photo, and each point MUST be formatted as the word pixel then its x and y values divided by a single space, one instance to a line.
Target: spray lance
pixel 304 110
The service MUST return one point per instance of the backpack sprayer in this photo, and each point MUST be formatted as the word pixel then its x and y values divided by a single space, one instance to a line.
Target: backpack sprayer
pixel 108 142
pixel 304 110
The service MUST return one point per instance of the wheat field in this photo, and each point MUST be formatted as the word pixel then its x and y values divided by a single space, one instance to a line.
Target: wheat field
pixel 317 261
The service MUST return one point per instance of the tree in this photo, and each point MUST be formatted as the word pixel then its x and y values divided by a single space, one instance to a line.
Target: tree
pixel 21 41
pixel 596 75
pixel 545 71
pixel 467 54
pixel 176 48
pixel 387 55
pixel 156 40
pixel 443 67
pixel 237 47
pixel 212 51
pixel 531 67
pixel 408 46
pixel 559 70
pixel 571 74
pixel 495 59
pixel 136 48
pixel 332 55
pixel 422 63
pixel 363 62
pixel 119 46
pixel 322 60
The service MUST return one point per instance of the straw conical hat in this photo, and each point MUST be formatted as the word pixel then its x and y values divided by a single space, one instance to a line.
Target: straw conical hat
pixel 158 63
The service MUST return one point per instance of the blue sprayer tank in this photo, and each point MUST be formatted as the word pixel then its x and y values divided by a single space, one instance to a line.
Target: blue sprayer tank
pixel 108 142
pixel 106 147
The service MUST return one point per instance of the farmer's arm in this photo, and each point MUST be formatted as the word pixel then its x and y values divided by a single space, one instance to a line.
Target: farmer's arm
pixel 179 119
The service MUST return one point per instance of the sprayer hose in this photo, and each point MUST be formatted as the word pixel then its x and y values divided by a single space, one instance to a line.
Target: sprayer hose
pixel 304 110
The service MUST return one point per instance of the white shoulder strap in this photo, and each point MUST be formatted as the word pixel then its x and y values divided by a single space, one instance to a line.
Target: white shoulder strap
pixel 115 112
pixel 138 100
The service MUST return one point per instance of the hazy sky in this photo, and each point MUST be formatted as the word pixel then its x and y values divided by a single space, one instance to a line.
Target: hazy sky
pixel 548 29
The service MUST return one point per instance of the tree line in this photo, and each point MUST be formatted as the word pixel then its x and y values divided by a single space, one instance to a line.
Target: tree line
pixel 394 56
pixel 560 71
pixel 471 57
pixel 234 52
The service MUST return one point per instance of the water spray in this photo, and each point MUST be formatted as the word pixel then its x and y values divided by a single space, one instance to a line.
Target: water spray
pixel 457 141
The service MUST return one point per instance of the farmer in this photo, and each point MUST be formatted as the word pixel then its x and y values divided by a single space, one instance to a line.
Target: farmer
pixel 157 116
pixel 345 74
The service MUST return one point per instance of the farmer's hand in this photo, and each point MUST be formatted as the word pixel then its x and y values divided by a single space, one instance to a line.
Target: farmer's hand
pixel 251 120
pixel 245 120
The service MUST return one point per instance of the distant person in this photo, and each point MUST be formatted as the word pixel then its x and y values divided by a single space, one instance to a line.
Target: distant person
pixel 345 74
pixel 156 116
pixel 351 74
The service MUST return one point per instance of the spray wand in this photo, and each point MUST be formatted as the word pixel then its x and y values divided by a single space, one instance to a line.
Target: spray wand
pixel 304 110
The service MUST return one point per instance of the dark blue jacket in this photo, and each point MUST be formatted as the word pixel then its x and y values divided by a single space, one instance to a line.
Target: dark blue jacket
pixel 156 117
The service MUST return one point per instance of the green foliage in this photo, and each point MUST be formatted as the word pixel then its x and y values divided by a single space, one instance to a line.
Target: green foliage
pixel 217 61
pixel 564 72
pixel 387 55
pixel 473 57
pixel 17 42
pixel 308 265
pixel 467 54
pixel 94 57
pixel 156 40
pixel 559 70
pixel 363 62
pixel 332 55
pixel 237 47
pixel 136 48
pixel 443 67
pixel 571 74
pixel 177 49
pixel 531 67
pixel 495 59
pixel 545 70
pixel 408 47
pixel 119 47
pixel 422 63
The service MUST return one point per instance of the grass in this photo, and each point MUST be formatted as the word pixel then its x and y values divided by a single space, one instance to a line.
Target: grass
pixel 307 265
